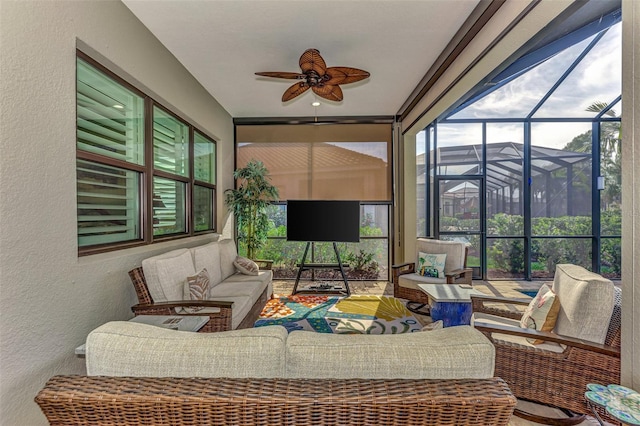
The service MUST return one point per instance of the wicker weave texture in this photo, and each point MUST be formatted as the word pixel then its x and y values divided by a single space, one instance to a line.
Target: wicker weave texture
pixel 82 400
pixel 555 379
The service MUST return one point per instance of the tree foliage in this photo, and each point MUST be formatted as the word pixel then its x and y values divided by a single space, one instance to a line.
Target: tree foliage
pixel 249 202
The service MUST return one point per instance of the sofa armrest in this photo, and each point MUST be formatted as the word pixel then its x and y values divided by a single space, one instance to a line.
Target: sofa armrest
pixel 403 268
pixel 263 264
pixel 183 304
pixel 529 333
pixel 479 304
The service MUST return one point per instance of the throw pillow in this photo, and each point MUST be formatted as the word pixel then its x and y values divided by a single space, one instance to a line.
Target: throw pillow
pixel 431 265
pixel 542 312
pixel 199 285
pixel 246 266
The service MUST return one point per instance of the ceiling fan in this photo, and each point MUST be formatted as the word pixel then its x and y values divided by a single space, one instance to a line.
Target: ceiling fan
pixel 325 82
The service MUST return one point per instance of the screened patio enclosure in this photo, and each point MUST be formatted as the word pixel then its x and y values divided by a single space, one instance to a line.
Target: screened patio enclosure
pixel 526 170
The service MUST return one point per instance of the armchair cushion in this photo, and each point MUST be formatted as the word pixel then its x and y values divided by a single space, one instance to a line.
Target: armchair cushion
pixel 431 265
pixel 208 257
pixel 586 303
pixel 454 250
pixel 167 273
pixel 480 318
pixel 542 312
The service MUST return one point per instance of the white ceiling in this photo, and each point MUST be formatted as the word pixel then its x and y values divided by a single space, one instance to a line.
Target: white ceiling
pixel 224 42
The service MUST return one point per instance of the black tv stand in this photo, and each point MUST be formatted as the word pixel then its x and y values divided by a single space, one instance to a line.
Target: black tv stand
pixel 324 287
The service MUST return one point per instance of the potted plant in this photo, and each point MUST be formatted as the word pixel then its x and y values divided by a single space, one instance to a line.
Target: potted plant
pixel 249 202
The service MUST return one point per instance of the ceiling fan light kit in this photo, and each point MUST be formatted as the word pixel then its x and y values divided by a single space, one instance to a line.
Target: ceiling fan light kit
pixel 324 81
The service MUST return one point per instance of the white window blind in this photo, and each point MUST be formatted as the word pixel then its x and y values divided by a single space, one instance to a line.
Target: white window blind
pixel 108 208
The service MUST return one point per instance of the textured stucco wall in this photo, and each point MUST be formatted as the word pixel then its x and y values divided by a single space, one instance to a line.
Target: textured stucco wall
pixel 631 194
pixel 49 298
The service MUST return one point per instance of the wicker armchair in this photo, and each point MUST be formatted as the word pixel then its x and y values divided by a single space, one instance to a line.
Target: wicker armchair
pixel 219 312
pixel 537 373
pixel 406 280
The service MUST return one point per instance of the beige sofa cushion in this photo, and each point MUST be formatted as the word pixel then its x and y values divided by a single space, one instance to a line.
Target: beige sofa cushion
pixel 228 254
pixel 586 303
pixel 130 349
pixel 453 352
pixel 207 257
pixel 166 274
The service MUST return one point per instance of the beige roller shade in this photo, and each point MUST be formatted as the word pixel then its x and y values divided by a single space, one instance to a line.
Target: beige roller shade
pixel 322 162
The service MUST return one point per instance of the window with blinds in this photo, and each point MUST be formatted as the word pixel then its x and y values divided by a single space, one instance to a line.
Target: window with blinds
pixel 133 187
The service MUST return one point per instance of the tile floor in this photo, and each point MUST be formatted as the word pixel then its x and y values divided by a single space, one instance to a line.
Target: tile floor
pixel 498 288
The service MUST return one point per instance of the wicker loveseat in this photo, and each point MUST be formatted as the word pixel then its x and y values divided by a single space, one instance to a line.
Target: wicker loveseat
pixel 140 374
pixel 234 300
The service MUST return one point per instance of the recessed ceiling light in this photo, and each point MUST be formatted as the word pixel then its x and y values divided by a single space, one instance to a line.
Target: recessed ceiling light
pixel 118 106
pixel 315 104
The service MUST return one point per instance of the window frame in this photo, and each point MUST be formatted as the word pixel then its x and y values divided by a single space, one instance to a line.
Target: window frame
pixel 147 171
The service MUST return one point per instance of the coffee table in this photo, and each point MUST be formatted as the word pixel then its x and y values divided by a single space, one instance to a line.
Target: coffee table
pixel 450 303
pixel 172 322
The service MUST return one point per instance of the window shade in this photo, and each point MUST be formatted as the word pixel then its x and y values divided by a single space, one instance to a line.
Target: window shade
pixel 170 144
pixel 332 161
pixel 108 207
pixel 109 117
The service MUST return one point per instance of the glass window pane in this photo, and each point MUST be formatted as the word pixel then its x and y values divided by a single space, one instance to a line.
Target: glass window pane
pixel 170 144
pixel 517 98
pixel 597 78
pixel 110 118
pixel 459 205
pixel 505 258
pixel 108 207
pixel 202 208
pixel 561 170
pixel 169 213
pixel 611 173
pixel 421 179
pixel 546 253
pixel 611 258
pixel 204 162
pixel 504 178
pixel 459 148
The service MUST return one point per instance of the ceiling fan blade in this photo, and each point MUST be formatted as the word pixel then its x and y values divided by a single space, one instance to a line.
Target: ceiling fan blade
pixel 332 93
pixel 295 90
pixel 287 75
pixel 345 75
pixel 311 60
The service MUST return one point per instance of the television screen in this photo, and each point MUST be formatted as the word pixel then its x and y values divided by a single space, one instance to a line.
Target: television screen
pixel 323 220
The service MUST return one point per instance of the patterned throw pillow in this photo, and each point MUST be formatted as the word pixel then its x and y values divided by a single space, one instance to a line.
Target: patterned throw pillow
pixel 542 312
pixel 246 266
pixel 431 265
pixel 199 285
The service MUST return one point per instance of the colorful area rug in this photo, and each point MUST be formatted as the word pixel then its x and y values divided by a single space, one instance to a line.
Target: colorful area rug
pixel 343 315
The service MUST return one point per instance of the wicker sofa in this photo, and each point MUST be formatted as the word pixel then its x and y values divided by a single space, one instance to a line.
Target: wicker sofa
pixel 140 374
pixel 234 300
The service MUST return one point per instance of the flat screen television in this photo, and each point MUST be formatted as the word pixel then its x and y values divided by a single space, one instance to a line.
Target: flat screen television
pixel 323 220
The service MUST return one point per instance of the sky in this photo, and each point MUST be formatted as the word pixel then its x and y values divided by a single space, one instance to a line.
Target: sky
pixel 596 78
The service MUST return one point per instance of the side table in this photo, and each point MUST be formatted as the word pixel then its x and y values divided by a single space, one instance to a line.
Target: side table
pixel 450 303
pixel 621 403
pixel 173 322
